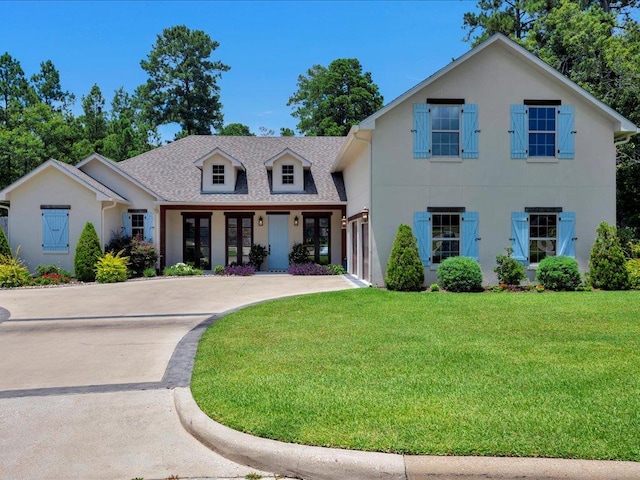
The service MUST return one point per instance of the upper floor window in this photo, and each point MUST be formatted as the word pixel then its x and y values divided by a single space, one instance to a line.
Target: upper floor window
pixel 542 129
pixel 287 175
pixel 445 130
pixel 217 172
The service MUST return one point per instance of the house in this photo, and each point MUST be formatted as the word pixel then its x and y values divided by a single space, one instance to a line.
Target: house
pixel 497 149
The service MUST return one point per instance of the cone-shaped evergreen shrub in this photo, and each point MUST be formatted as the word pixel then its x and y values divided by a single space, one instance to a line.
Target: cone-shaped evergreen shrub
pixel 405 271
pixel 87 253
pixel 607 264
pixel 5 250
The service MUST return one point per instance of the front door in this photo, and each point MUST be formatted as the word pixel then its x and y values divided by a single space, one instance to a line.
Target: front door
pixel 278 258
pixel 317 236
pixel 196 244
pixel 239 237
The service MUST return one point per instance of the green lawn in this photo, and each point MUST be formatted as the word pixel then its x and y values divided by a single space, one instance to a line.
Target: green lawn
pixel 508 374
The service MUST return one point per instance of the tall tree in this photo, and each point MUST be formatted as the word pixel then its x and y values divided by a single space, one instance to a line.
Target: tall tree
pixel 94 117
pixel 14 87
pixel 329 100
pixel 236 130
pixel 47 86
pixel 128 132
pixel 287 132
pixel 182 85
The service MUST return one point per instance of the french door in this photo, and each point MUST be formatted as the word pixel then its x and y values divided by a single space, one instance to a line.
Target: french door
pixel 239 237
pixel 317 237
pixel 196 240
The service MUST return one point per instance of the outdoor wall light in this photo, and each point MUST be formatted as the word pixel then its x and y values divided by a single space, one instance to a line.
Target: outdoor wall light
pixel 344 222
pixel 365 214
pixel 260 221
pixel 295 221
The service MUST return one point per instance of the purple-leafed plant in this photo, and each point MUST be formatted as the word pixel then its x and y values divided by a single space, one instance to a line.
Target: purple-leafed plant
pixel 308 269
pixel 240 270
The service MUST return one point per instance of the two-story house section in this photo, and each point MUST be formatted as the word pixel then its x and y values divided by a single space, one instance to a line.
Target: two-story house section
pixel 495 150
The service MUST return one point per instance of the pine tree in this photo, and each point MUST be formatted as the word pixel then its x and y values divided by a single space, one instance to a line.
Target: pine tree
pixel 607 265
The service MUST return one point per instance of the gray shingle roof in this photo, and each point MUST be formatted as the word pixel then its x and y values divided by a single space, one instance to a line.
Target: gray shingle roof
pixel 170 171
pixel 90 181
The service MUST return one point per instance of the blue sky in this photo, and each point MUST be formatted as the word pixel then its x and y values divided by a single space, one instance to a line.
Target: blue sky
pixel 266 44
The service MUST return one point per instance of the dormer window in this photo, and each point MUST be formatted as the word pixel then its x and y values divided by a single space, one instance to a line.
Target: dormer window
pixel 287 175
pixel 217 177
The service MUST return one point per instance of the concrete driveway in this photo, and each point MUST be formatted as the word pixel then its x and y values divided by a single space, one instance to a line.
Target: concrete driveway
pixel 86 373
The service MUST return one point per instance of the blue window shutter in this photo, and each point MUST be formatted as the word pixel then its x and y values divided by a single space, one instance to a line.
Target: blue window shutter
pixel 470 131
pixel 470 237
pixel 148 227
pixel 519 132
pixel 55 230
pixel 126 224
pixel 566 234
pixel 520 236
pixel 565 131
pixel 422 231
pixel 421 130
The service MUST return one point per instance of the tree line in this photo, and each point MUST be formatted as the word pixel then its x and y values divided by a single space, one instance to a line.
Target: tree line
pixel 595 43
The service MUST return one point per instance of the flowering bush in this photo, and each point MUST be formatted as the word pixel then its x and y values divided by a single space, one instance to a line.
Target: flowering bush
pixel 51 279
pixel 181 269
pixel 308 269
pixel 240 270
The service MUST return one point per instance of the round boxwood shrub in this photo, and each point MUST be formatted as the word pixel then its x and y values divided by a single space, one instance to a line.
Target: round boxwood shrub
pixel 405 272
pixel 558 273
pixel 607 264
pixel 88 252
pixel 460 274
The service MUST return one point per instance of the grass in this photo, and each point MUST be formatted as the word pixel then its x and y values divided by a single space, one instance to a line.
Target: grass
pixel 549 375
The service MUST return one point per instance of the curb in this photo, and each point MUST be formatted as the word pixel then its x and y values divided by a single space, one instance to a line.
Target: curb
pixel 319 463
pixel 287 459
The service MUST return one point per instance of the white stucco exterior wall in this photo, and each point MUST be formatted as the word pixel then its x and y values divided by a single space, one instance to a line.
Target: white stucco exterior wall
pixel 493 185
pixel 50 187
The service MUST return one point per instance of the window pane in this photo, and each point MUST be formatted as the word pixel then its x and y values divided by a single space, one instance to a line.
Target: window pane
pixel 445 234
pixel 542 236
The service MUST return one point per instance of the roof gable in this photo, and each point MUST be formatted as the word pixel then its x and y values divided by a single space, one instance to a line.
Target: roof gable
pixel 624 126
pixel 103 193
pixel 113 166
pixel 218 151
pixel 287 151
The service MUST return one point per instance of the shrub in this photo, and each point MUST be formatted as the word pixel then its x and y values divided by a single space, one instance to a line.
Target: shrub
pixel 13 273
pixel 308 269
pixel 118 242
pixel 218 270
pixel 257 254
pixel 111 268
pixel 626 237
pixel 149 272
pixel 5 250
pixel 434 287
pixel 633 267
pixel 181 269
pixel 87 253
pixel 460 274
pixel 51 279
pixel 240 270
pixel 509 270
pixel 558 273
pixel 299 254
pixel 42 270
pixel 607 265
pixel 335 269
pixel 142 255
pixel 405 271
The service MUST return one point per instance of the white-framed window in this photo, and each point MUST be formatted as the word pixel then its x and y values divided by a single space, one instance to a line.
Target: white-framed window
pixel 445 130
pixel 539 232
pixel 542 131
pixel 288 175
pixel 217 174
pixel 543 236
pixel 445 236
pixel 137 225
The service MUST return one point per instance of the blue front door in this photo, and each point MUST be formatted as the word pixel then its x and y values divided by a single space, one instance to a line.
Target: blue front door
pixel 278 259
